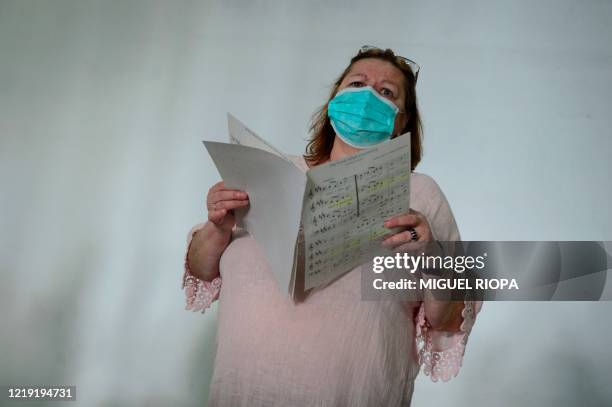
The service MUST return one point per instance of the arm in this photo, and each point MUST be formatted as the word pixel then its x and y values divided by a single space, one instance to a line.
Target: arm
pixel 440 352
pixel 206 242
pixel 205 247
pixel 199 293
pixel 442 327
pixel 441 314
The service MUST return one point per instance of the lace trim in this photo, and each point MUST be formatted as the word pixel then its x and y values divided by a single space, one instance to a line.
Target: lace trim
pixel 444 364
pixel 199 294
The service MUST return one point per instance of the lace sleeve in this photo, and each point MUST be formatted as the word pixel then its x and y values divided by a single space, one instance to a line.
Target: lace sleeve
pixel 440 353
pixel 199 294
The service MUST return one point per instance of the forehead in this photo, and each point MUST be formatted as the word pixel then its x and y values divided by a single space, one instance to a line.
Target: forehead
pixel 377 69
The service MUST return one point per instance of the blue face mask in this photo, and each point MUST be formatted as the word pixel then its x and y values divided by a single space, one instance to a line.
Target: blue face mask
pixel 361 117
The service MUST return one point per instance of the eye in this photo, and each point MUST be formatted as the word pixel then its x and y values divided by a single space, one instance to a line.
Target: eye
pixel 386 92
pixel 355 84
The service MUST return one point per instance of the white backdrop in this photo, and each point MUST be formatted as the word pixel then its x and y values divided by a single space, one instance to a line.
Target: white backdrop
pixel 102 108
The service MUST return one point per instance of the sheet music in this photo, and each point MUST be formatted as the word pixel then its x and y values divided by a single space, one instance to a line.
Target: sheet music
pixel 345 205
pixel 340 205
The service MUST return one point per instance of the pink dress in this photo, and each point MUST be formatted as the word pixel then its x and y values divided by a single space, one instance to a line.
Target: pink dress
pixel 333 349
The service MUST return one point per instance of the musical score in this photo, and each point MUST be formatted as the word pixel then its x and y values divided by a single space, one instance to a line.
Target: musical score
pixel 343 215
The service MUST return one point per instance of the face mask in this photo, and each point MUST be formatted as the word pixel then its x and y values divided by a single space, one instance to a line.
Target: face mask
pixel 361 117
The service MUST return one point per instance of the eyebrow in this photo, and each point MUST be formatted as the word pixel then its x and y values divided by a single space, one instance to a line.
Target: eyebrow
pixel 356 74
pixel 365 76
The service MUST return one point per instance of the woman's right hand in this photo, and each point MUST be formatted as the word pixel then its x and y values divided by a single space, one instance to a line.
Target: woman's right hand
pixel 221 203
pixel 209 243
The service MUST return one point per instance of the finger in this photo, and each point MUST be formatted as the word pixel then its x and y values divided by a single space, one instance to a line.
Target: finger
pixel 423 232
pixel 231 204
pixel 397 239
pixel 214 200
pixel 228 195
pixel 388 235
pixel 218 186
pixel 408 220
pixel 217 217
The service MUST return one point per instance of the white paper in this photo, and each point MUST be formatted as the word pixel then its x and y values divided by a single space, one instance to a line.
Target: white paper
pixel 345 205
pixel 276 189
pixel 241 134
pixel 341 205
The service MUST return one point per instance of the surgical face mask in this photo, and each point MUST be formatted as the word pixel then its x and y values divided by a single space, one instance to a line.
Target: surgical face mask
pixel 361 117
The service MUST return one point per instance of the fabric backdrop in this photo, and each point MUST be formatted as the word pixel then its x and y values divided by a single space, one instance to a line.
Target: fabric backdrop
pixel 102 108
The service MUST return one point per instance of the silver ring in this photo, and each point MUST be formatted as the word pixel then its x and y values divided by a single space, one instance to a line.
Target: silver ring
pixel 413 235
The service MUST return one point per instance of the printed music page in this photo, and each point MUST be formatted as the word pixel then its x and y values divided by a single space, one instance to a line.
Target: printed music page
pixel 345 205
pixel 337 209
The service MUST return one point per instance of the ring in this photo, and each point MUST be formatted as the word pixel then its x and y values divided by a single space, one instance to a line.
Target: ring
pixel 413 235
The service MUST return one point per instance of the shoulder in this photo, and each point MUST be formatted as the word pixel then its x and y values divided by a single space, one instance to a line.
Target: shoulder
pixel 429 199
pixel 425 186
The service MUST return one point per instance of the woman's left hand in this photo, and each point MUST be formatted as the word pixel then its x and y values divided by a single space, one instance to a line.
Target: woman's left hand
pixel 411 220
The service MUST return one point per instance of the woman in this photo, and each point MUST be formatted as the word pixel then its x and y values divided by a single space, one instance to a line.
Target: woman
pixel 333 349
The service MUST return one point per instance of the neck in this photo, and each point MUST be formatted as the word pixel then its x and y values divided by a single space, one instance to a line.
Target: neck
pixel 340 150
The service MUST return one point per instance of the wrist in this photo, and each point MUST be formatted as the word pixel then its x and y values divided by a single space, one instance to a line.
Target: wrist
pixel 204 252
pixel 213 238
